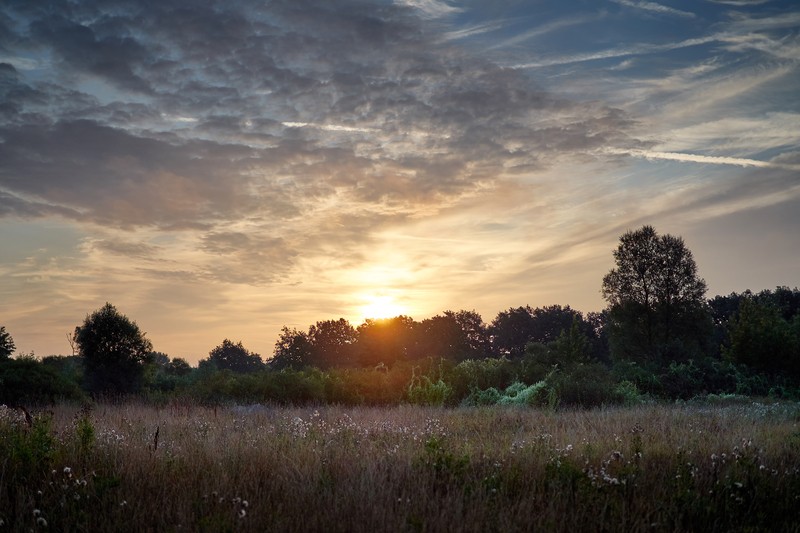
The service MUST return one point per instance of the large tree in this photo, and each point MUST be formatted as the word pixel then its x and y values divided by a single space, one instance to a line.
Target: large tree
pixel 656 299
pixel 114 351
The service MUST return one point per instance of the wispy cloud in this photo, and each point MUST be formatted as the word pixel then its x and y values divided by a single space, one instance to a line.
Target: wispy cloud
pixel 431 8
pixel 545 29
pixel 653 7
pixel 705 159
pixel 471 31
pixel 624 51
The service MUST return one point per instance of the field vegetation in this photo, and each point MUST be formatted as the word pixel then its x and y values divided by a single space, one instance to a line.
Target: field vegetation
pixel 726 465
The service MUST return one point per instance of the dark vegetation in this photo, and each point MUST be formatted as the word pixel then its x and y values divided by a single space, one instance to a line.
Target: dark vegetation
pixel 659 338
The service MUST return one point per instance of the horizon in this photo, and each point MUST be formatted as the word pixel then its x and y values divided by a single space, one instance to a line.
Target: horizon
pixel 225 171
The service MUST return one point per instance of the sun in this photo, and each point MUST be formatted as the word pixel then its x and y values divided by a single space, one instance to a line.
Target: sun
pixel 381 306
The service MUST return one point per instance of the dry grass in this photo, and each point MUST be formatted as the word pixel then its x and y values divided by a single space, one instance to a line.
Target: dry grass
pixel 654 468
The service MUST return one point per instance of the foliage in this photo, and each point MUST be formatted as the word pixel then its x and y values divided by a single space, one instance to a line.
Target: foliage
pixel 655 297
pixel 114 351
pixel 292 350
pixel 763 338
pixel 7 345
pixel 423 390
pixel 453 335
pixel 29 382
pixel 234 357
pixel 481 374
pixel 332 343
pixel 387 341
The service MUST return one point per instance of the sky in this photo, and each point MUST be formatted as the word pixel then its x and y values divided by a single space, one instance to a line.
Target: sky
pixel 220 169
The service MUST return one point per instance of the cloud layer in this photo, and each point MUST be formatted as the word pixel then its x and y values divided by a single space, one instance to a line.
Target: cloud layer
pixel 282 151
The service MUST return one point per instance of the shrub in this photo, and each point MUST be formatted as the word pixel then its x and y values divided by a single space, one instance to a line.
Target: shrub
pixel 521 394
pixel 588 385
pixel 424 391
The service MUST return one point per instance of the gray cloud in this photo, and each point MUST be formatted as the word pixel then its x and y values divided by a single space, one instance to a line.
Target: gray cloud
pixel 154 115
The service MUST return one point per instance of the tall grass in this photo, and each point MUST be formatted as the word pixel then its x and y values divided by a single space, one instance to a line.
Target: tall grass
pixel 406 468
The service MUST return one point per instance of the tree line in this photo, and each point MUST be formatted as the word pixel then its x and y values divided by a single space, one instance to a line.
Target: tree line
pixel 658 337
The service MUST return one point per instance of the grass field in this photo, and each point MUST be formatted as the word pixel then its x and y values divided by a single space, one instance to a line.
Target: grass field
pixel 652 468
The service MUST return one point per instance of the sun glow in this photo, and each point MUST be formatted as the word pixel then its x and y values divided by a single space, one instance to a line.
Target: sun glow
pixel 381 306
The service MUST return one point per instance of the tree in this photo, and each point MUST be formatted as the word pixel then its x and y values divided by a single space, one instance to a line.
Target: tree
pixel 332 343
pixel 114 351
pixel 455 335
pixel 292 350
pixel 385 340
pixel 235 357
pixel 7 345
pixel 761 338
pixel 511 331
pixel 656 298
pixel 178 367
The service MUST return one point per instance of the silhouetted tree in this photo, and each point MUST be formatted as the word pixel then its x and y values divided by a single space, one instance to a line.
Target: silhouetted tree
pixel 386 340
pixel 114 351
pixel 292 350
pixel 511 331
pixel 332 343
pixel 178 367
pixel 235 357
pixel 655 297
pixel 454 335
pixel 7 345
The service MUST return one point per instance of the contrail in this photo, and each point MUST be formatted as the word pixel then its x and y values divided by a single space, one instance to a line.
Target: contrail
pixel 694 158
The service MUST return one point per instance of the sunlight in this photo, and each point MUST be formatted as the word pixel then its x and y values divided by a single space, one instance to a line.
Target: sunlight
pixel 381 306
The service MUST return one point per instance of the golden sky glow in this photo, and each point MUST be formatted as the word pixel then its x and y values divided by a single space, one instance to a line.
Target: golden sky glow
pixel 262 165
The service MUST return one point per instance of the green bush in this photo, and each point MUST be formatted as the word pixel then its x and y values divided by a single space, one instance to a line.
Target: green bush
pixel 479 397
pixel 586 385
pixel 481 374
pixel 423 391
pixel 627 393
pixel 520 394
pixel 28 382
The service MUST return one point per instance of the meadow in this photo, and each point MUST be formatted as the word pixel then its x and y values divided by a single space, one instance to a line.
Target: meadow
pixel 183 467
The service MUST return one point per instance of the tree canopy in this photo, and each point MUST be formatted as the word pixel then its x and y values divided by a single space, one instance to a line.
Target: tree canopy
pixel 656 299
pixel 235 357
pixel 114 351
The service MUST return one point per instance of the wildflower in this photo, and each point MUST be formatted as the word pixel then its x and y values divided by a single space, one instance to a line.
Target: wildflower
pixel 244 503
pixel 41 522
pixel 36 512
pixel 67 470
pixel 123 503
pixel 242 513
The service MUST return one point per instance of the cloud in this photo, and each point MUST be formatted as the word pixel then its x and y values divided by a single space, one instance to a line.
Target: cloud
pixel 654 7
pixel 695 158
pixel 627 50
pixel 217 114
pixel 739 3
pixel 430 8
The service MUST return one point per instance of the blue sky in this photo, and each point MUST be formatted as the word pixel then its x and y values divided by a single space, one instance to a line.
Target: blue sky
pixel 227 169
